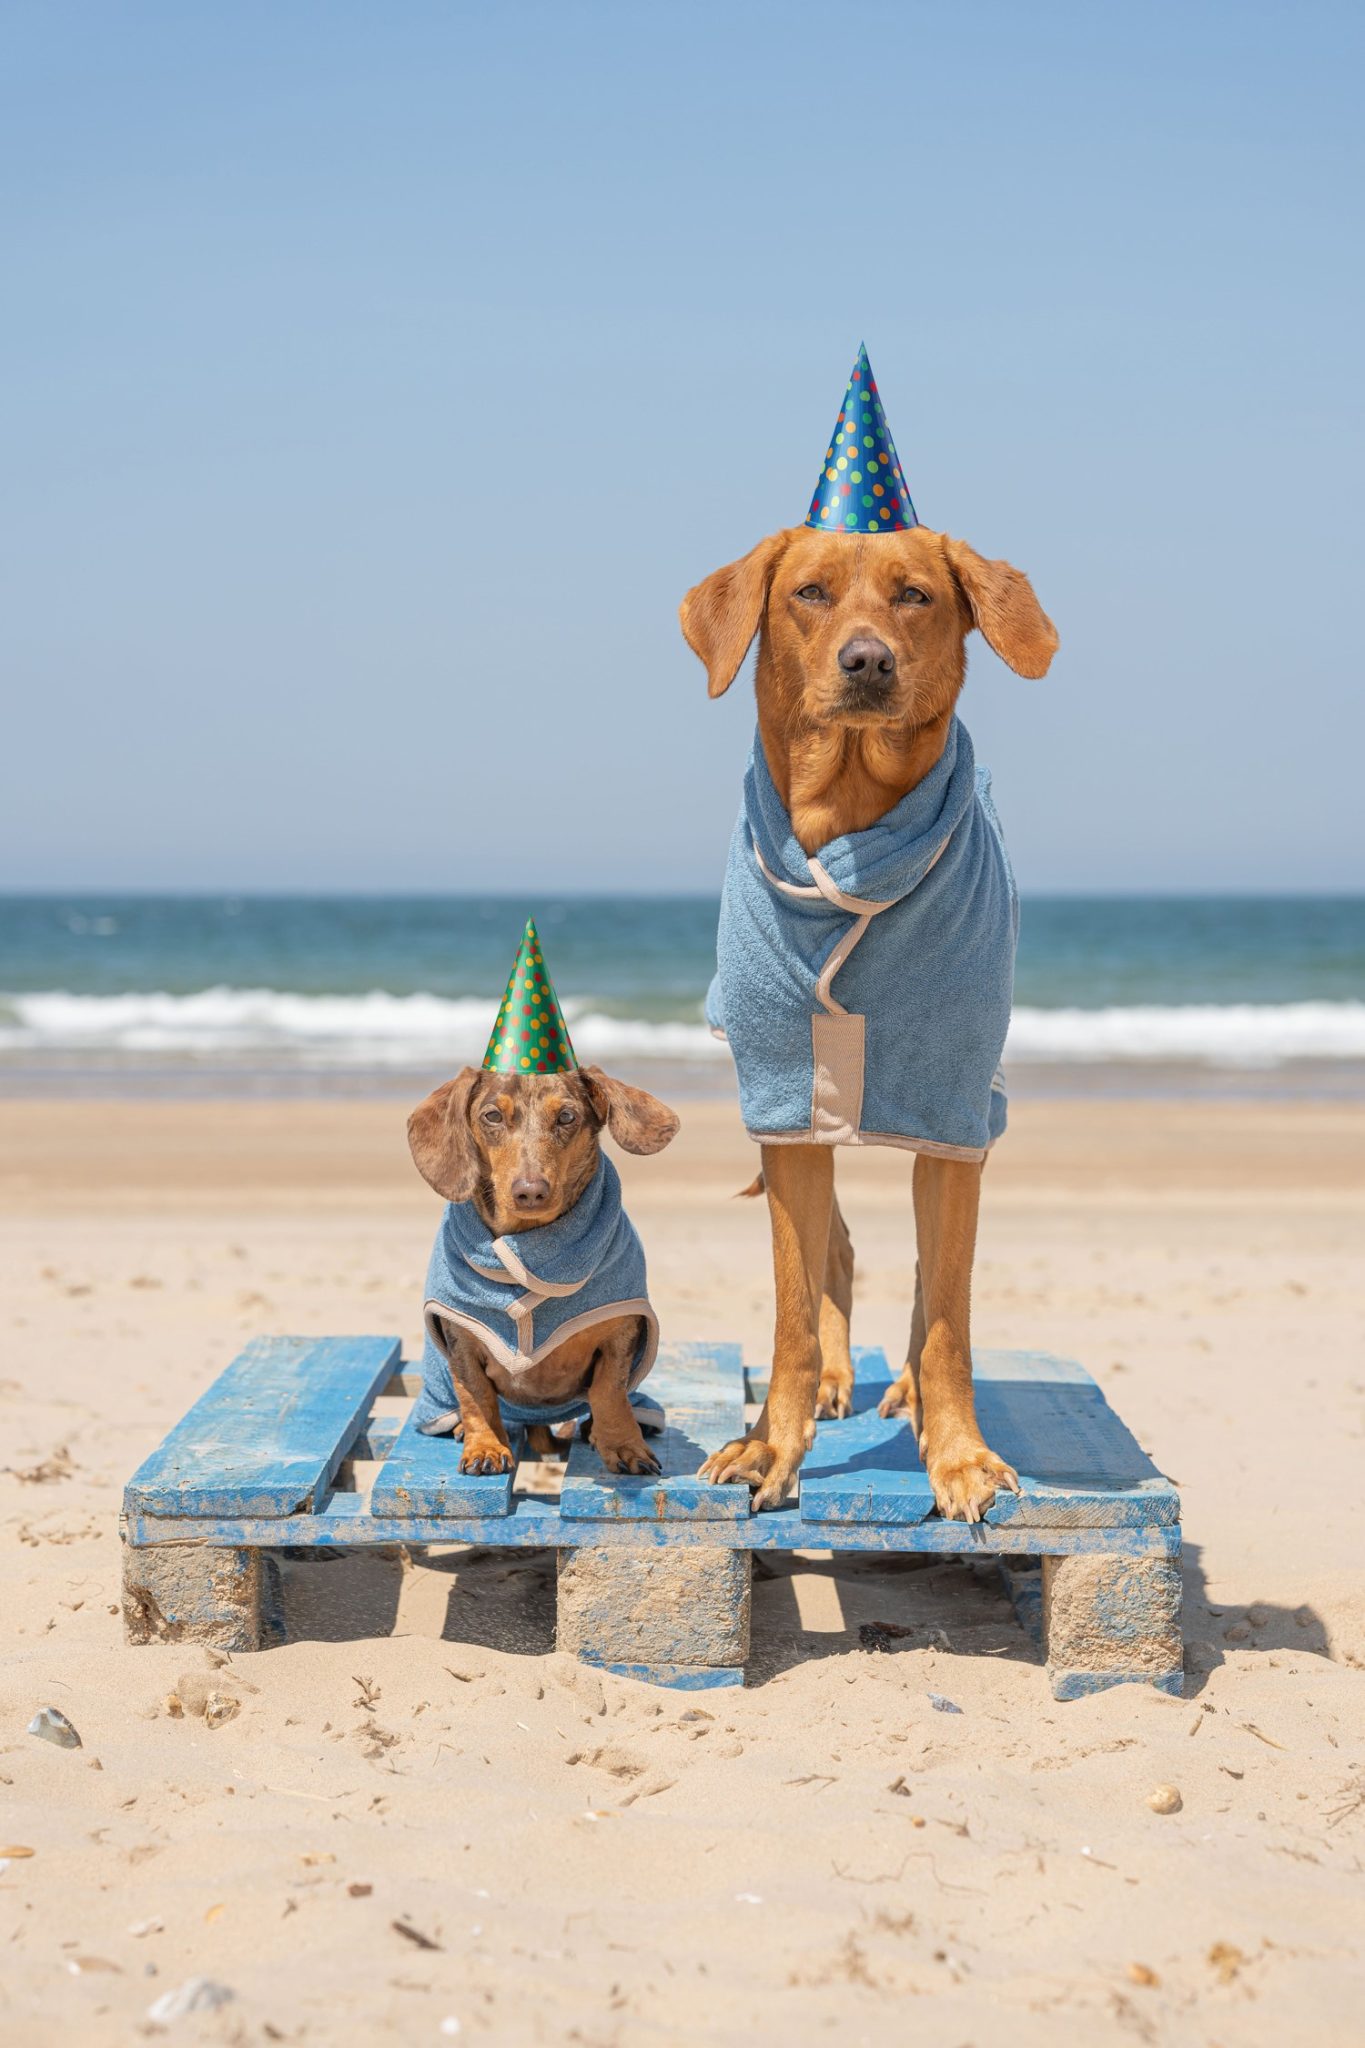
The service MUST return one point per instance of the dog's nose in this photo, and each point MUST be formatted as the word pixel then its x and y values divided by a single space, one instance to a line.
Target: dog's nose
pixel 867 661
pixel 531 1191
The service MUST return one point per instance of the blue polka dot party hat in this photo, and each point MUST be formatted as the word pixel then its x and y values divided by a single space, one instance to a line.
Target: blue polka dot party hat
pixel 530 1035
pixel 861 488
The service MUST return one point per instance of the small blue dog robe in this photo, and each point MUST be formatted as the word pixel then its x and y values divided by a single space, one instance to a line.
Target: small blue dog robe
pixel 914 921
pixel 523 1294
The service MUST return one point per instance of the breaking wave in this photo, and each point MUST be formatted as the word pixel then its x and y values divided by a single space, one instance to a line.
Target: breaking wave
pixel 379 1029
pixel 376 1029
pixel 1210 1034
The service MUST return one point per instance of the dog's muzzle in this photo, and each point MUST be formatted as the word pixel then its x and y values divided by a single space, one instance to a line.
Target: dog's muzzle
pixel 868 668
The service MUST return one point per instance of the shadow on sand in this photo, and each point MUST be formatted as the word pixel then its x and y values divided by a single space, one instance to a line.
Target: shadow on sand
pixel 805 1607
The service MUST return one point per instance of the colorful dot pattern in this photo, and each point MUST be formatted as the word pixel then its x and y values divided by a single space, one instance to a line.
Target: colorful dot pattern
pixel 861 488
pixel 530 1035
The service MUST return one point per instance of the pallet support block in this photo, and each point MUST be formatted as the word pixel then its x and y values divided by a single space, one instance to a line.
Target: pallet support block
pixel 1111 1621
pixel 194 1593
pixel 665 1613
pixel 1022 1578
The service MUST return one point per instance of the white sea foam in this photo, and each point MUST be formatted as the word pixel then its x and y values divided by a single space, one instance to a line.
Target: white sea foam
pixel 380 1029
pixel 1214 1034
pixel 372 1030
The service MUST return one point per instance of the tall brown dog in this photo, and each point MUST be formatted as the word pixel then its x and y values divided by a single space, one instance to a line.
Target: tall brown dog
pixel 860 662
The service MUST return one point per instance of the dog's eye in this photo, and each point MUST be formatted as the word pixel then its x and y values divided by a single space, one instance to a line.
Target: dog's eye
pixel 813 593
pixel 492 1116
pixel 566 1117
pixel 912 594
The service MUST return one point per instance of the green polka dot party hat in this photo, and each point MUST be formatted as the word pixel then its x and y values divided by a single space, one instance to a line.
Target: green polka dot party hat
pixel 862 488
pixel 530 1035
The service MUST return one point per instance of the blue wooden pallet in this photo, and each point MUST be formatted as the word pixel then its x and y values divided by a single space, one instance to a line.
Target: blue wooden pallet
pixel 266 1460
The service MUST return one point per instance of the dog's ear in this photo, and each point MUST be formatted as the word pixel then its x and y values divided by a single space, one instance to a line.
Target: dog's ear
pixel 1004 609
pixel 720 615
pixel 441 1141
pixel 638 1122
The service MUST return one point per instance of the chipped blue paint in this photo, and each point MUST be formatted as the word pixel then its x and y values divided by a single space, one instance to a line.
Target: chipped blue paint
pixel 865 1469
pixel 1079 1685
pixel 681 1677
pixel 1130 1610
pixel 421 1478
pixel 268 1435
pixel 656 1607
pixel 701 1387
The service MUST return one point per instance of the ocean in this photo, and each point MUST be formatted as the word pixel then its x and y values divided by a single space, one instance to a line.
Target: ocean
pixel 262 994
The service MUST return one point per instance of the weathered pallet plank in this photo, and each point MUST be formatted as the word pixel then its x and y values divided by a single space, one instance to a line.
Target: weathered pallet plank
pixel 421 1477
pixel 536 1524
pixel 862 1477
pixel 1078 1463
pixel 701 1390
pixel 865 1469
pixel 267 1437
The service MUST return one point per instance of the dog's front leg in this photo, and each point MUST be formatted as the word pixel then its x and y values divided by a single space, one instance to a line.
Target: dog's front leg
pixel 800 1186
pixel 964 1474
pixel 835 1394
pixel 902 1396
pixel 615 1430
pixel 486 1448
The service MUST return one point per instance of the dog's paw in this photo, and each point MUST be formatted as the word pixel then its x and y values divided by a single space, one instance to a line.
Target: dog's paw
pixel 901 1399
pixel 966 1481
pixel 485 1457
pixel 750 1461
pixel 834 1398
pixel 635 1458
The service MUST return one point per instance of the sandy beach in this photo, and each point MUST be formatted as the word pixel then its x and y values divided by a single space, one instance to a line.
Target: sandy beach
pixel 424 1823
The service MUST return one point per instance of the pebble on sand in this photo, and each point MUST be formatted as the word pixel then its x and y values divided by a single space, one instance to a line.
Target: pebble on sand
pixel 196 1994
pixel 1165 1799
pixel 50 1724
pixel 196 1693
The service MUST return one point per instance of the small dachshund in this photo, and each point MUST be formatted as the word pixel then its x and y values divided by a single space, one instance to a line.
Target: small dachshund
pixel 521 1150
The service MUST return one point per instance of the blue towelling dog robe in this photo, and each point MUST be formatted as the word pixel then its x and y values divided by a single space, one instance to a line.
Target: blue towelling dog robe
pixel 865 991
pixel 521 1295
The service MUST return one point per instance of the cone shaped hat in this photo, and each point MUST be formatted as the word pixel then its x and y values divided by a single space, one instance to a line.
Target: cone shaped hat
pixel 530 1035
pixel 861 487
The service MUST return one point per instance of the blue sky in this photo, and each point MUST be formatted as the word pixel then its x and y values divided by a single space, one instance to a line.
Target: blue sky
pixel 376 379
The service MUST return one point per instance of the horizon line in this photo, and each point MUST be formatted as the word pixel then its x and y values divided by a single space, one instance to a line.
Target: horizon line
pixel 210 893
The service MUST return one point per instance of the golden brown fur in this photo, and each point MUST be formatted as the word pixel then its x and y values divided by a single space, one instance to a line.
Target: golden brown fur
pixel 498 1140
pixel 861 659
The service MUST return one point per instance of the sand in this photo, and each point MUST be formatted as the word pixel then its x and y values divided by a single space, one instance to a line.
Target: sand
pixel 422 1823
